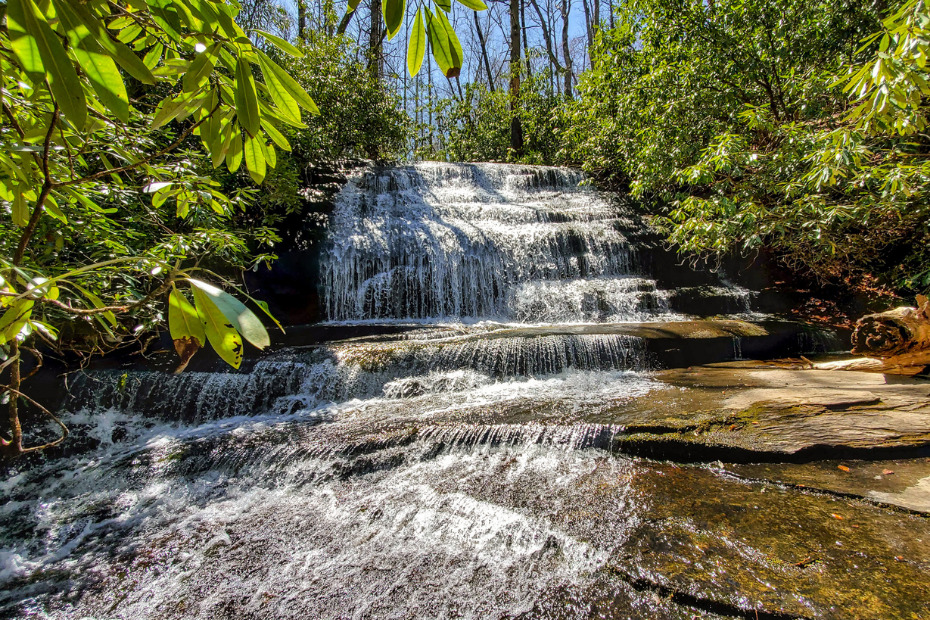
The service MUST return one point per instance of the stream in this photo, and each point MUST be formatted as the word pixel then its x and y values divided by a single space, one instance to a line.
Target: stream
pixel 510 437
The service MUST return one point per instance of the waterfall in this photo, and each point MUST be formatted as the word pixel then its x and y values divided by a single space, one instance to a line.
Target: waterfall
pixel 477 241
pixel 460 468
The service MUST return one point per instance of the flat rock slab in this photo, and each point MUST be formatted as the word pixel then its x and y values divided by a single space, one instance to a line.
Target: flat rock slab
pixel 902 482
pixel 773 414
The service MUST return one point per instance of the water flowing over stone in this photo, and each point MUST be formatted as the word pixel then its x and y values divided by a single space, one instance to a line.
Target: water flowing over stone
pixel 454 241
pixel 474 453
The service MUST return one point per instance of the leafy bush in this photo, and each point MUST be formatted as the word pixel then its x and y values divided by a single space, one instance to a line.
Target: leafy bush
pixel 476 127
pixel 777 123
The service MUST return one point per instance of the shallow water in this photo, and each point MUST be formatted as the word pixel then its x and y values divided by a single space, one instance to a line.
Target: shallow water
pixel 467 469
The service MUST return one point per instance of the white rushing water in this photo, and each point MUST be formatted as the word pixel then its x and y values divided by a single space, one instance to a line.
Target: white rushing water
pixel 449 472
pixel 460 241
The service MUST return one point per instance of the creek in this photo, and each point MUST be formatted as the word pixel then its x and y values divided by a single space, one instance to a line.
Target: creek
pixel 518 427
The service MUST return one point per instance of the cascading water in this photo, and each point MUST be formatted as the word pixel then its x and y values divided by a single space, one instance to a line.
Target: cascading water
pixel 455 471
pixel 512 243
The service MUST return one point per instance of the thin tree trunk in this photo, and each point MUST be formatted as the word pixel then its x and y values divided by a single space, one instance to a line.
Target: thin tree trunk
pixel 589 29
pixel 553 59
pixel 374 39
pixel 301 19
pixel 566 51
pixel 484 51
pixel 526 39
pixel 516 129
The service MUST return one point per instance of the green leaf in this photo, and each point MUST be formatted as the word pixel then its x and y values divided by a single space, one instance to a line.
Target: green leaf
pixel 287 83
pixel 234 155
pixel 353 4
pixel 247 98
pixel 240 317
pixel 123 56
pixel 153 56
pixel 281 44
pixel 13 320
pixel 416 47
pixel 276 136
pixel 199 70
pixel 62 78
pixel 475 5
pixel 97 303
pixel 20 210
pixel 51 206
pixel 455 47
pixel 393 11
pixel 183 320
pixel 264 306
pixel 97 65
pixel 219 331
pixel 445 5
pixel 254 159
pixel 286 104
pixel 439 41
pixel 24 45
pixel 271 158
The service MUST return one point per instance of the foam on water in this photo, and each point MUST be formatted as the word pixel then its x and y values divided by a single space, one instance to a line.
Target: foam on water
pixel 454 241
pixel 430 474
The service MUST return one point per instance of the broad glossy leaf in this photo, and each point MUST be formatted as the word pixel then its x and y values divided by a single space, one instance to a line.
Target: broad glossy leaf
pixel 247 98
pixel 99 67
pixel 276 136
pixel 13 320
pixel 234 156
pixel 271 158
pixel 439 41
pixel 219 331
pixel 24 44
pixel 199 69
pixel 455 47
pixel 393 11
pixel 241 318
pixel 183 320
pixel 96 302
pixel 281 44
pixel 254 159
pixel 445 5
pixel 123 56
pixel 416 47
pixel 62 78
pixel 264 306
pixel 286 103
pixel 20 210
pixel 51 207
pixel 475 5
pixel 288 83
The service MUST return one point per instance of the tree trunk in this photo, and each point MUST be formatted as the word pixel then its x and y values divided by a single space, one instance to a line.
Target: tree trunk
pixel 526 40
pixel 902 331
pixel 484 51
pixel 374 39
pixel 14 447
pixel 553 59
pixel 301 19
pixel 566 51
pixel 516 129
pixel 893 342
pixel 589 28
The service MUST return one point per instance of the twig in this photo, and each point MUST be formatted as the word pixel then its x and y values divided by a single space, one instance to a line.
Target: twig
pixel 50 444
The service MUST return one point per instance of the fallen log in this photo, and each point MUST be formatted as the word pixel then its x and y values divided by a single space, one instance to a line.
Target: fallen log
pixel 892 342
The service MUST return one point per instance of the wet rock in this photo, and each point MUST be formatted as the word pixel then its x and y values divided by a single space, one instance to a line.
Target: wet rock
pixel 772 414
